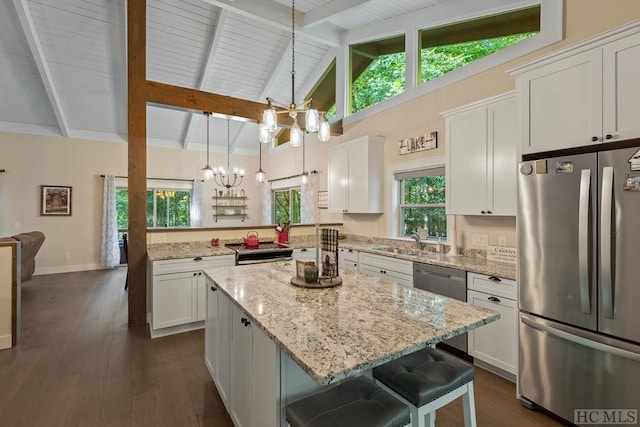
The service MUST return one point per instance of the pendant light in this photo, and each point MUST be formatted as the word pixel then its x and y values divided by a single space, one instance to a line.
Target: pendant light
pixel 314 121
pixel 207 170
pixel 260 175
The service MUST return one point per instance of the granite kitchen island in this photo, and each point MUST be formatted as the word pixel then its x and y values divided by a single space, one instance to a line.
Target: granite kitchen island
pixel 269 342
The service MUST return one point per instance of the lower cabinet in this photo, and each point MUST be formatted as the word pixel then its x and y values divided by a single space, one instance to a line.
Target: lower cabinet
pixel 304 253
pixel 178 294
pixel 495 343
pixel 393 269
pixel 243 362
pixel 348 259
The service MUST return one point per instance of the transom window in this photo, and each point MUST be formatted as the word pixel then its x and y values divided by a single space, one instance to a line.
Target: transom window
pixel 422 202
pixel 165 208
pixel 286 205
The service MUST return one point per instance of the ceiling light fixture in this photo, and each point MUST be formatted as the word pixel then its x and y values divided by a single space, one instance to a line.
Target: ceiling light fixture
pixel 314 121
pixel 260 175
pixel 207 170
pixel 221 176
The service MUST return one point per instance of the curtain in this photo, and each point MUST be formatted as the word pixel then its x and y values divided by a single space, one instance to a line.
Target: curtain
pixel 195 210
pixel 110 248
pixel 266 204
pixel 308 200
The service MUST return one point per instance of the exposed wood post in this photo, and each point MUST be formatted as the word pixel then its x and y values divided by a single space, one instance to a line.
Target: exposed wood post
pixel 137 154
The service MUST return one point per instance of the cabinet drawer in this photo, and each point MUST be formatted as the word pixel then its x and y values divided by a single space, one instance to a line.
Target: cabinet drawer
pixel 192 264
pixel 497 286
pixel 386 263
pixel 348 255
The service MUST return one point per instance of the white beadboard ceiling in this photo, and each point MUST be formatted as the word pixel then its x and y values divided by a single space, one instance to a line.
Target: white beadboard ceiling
pixel 63 62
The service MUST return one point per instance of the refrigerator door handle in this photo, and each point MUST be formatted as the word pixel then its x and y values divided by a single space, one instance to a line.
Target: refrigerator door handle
pixel 583 240
pixel 606 277
pixel 581 340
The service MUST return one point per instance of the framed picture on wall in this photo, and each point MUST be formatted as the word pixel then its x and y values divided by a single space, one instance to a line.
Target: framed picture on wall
pixel 55 200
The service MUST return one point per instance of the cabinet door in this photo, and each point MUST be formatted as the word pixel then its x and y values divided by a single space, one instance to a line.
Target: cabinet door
pixel 467 162
pixel 211 329
pixel 241 375
pixel 266 380
pixel 621 92
pixel 501 158
pixel 223 349
pixel 495 343
pixel 358 183
pixel 201 287
pixel 561 103
pixel 174 299
pixel 338 164
pixel 348 259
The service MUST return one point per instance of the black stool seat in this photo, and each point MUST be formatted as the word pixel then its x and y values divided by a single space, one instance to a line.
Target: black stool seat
pixel 359 402
pixel 425 375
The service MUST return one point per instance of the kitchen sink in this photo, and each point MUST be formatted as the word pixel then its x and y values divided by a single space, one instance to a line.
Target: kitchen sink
pixel 399 251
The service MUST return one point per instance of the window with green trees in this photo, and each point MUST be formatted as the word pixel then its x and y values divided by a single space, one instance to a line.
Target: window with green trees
pixel 165 208
pixel 378 67
pixel 286 206
pixel 377 71
pixel 422 202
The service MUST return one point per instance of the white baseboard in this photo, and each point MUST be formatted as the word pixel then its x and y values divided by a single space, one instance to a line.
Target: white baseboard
pixel 5 341
pixel 156 333
pixel 66 269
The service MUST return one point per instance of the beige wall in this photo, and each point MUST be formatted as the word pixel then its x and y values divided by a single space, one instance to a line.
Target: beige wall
pixel 583 19
pixel 32 160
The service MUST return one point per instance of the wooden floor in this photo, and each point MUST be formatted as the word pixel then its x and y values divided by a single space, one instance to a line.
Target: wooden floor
pixel 78 364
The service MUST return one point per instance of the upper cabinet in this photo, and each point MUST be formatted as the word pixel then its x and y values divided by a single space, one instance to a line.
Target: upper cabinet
pixel 583 95
pixel 355 176
pixel 481 157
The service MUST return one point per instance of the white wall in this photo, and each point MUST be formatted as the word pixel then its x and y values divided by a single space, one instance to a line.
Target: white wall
pixel 32 160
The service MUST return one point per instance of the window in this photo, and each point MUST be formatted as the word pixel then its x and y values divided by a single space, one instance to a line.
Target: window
pixel 165 208
pixel 286 206
pixel 422 202
pixel 444 49
pixel 377 71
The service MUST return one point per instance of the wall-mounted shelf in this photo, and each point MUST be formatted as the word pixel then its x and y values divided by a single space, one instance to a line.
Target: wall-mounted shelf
pixel 229 207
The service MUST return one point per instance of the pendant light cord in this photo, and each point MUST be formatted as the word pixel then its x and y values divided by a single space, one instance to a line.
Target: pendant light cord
pixel 207 114
pixel 228 151
pixel 293 51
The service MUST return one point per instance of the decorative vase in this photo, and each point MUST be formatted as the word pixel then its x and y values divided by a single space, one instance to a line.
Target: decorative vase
pixel 311 273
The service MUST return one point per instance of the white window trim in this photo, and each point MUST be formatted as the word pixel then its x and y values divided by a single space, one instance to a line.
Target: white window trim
pixel 393 190
pixel 551 31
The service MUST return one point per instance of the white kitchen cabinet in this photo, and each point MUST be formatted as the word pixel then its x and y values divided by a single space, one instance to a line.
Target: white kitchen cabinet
pixel 495 343
pixel 481 157
pixel 179 293
pixel 389 268
pixel 355 176
pixel 582 95
pixel 241 362
pixel 348 259
pixel 217 340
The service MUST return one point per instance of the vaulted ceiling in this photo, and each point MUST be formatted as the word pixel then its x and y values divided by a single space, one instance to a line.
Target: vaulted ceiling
pixel 63 62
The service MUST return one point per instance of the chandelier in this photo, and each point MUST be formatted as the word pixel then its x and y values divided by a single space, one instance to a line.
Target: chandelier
pixel 221 176
pixel 314 121
pixel 207 170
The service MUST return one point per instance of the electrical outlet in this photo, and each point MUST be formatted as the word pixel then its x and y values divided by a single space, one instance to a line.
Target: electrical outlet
pixel 16 224
pixel 479 239
pixel 502 240
pixel 67 255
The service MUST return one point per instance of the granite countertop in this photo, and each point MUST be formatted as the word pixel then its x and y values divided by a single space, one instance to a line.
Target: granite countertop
pixel 344 331
pixel 472 264
pixel 162 251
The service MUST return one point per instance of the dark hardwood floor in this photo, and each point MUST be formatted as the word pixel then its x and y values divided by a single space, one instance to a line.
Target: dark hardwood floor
pixel 78 364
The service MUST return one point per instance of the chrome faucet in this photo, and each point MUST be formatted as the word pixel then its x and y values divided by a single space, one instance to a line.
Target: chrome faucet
pixel 416 237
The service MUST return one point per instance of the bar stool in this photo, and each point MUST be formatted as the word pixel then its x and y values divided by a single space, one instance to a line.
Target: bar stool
pixel 427 380
pixel 358 402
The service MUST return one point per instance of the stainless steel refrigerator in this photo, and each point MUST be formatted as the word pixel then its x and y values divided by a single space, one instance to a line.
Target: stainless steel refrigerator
pixel 579 279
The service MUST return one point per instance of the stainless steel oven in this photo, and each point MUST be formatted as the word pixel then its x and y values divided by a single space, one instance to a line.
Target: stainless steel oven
pixel 265 252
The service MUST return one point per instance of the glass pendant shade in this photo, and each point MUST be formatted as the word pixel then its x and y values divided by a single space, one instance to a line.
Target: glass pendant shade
pixel 311 119
pixel 324 132
pixel 296 135
pixel 264 135
pixel 260 175
pixel 269 118
pixel 207 172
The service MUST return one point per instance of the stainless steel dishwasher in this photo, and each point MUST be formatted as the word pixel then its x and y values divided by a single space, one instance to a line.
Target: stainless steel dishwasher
pixel 449 282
